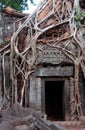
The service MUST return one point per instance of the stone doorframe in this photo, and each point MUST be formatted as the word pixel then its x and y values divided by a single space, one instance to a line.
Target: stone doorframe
pixel 66 94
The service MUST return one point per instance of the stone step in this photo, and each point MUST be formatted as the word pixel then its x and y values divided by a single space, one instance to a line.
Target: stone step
pixel 67 123
pixel 70 125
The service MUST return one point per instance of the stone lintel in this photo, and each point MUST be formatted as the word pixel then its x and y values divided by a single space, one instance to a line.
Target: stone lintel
pixel 55 71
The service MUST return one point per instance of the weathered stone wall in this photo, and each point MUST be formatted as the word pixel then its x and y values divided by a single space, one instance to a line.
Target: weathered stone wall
pixel 0 82
pixel 51 55
pixel 6 31
pixel 7 74
pixel 36 91
pixel 54 71
pixel 1 31
pixel 6 27
pixel 10 20
pixel 7 77
pixel 82 90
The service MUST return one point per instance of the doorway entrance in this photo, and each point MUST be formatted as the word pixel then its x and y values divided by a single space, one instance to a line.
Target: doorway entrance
pixel 54 100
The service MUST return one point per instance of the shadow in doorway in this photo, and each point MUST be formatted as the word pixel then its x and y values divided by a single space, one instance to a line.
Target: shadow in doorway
pixel 54 103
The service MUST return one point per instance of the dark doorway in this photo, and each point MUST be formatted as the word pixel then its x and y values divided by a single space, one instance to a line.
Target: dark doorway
pixel 54 92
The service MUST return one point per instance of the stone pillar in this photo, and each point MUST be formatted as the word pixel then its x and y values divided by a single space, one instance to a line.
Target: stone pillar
pixel 35 92
pixel 72 99
pixel 32 91
pixel 38 93
pixel 66 99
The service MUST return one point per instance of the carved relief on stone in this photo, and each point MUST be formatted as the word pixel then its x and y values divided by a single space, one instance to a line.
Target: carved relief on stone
pixel 50 55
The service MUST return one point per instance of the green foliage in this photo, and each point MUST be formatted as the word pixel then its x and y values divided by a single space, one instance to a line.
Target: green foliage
pixel 18 5
pixel 79 18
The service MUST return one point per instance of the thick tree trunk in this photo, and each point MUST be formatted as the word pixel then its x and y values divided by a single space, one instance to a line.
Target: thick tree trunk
pixel 78 108
pixel 26 93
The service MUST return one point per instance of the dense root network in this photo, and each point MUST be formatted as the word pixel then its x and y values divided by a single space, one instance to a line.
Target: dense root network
pixel 53 24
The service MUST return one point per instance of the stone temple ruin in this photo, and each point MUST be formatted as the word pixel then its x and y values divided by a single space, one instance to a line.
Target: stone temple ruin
pixel 47 63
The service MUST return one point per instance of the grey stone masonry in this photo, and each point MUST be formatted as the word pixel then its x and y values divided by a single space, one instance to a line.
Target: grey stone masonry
pixel 55 71
pixel 0 83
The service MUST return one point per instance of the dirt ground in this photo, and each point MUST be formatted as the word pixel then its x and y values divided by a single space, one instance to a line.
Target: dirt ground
pixel 73 125
pixel 18 118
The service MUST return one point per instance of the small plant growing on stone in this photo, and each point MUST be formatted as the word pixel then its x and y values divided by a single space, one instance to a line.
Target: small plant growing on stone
pixel 79 18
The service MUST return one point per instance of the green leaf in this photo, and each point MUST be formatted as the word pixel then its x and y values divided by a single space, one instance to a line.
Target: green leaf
pixel 19 5
pixel 78 24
